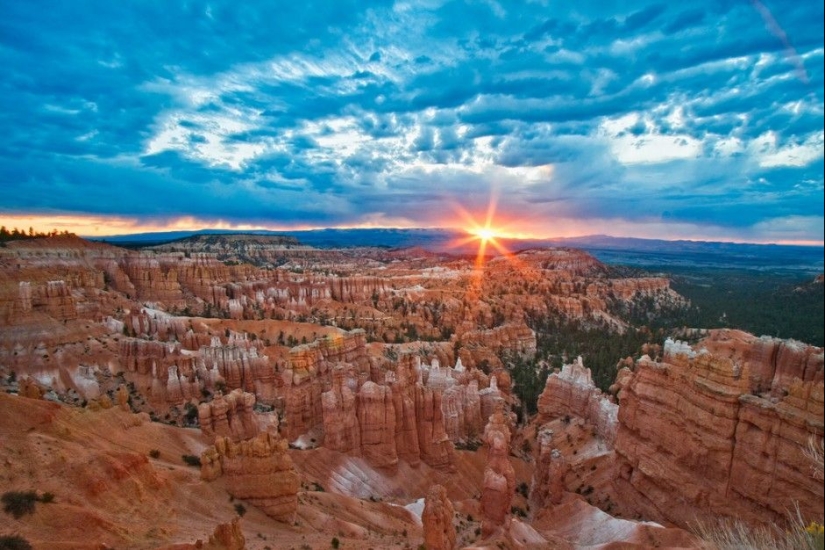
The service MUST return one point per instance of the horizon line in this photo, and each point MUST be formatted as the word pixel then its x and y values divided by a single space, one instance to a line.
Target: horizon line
pixel 252 230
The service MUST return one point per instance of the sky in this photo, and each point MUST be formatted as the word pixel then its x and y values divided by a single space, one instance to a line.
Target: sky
pixel 675 120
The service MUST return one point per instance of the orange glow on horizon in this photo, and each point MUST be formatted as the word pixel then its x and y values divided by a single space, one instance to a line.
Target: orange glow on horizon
pixel 488 232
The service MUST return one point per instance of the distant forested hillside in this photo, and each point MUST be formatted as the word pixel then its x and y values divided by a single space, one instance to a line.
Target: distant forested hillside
pixel 763 303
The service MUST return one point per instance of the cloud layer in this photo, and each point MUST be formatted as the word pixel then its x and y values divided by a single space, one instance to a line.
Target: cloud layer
pixel 667 120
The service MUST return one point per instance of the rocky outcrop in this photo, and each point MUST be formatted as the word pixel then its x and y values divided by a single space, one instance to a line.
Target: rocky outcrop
pixel 461 405
pixel 357 289
pixel 572 392
pixel 572 261
pixel 437 520
pixel 227 536
pixel 514 338
pixel 53 298
pixel 159 326
pixel 490 398
pixel 258 470
pixel 229 416
pixel 436 448
pixel 694 442
pixel 165 374
pixel 153 280
pixel 376 419
pixel 630 288
pixel 547 487
pixel 403 381
pixel 499 482
pixel 341 427
pixel 769 364
pixel 237 363
pixel 309 370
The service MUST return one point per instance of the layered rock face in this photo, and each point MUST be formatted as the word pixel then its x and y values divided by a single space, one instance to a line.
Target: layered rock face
pixel 229 416
pixel 341 427
pixel 572 392
pixel 499 476
pixel 437 520
pixel 171 374
pixel 309 371
pixel 695 442
pixel 403 416
pixel 462 411
pixel 436 448
pixel 770 364
pixel 258 470
pixel 153 279
pixel 352 289
pixel 238 364
pixel 403 381
pixel 576 262
pixel 514 338
pixel 376 418
pixel 548 486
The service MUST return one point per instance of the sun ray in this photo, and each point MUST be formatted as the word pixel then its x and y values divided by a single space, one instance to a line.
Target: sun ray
pixel 487 233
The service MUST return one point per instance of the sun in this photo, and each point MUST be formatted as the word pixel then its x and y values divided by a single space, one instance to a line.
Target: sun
pixel 489 232
pixel 485 233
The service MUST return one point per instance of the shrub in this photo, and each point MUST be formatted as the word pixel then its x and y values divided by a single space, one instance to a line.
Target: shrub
pixel 46 498
pixel 154 453
pixel 240 509
pixel 191 460
pixel 14 542
pixel 19 503
pixel 335 543
pixel 518 511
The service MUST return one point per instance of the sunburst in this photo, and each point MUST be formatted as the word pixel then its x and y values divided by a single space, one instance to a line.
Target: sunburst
pixel 486 233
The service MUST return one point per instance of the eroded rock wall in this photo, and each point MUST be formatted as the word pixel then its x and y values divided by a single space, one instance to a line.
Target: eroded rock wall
pixel 572 392
pixel 695 442
pixel 258 470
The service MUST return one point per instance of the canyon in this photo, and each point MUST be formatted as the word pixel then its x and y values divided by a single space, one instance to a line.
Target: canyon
pixel 253 392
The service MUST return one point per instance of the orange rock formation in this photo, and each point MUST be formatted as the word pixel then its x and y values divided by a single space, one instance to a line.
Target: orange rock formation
pixel 258 470
pixel 437 519
pixel 499 476
pixel 695 441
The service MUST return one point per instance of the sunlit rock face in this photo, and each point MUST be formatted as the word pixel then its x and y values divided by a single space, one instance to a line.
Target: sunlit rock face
pixel 229 416
pixel 341 428
pixel 436 448
pixel 376 420
pixel 547 487
pixel 309 372
pixel 488 345
pixel 258 470
pixel 572 392
pixel 437 520
pixel 404 383
pixel 499 476
pixel 696 440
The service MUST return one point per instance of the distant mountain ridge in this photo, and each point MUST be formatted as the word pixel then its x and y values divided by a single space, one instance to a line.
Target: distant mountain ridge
pixel 613 250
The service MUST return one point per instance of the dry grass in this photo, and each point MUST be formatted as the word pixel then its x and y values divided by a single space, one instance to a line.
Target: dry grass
pixel 735 535
pixel 815 452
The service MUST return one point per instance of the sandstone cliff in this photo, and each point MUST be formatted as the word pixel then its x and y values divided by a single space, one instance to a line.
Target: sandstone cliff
pixel 695 442
pixel 572 392
pixel 376 419
pixel 258 470
pixel 437 519
pixel 499 476
pixel 229 416
pixel 548 487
